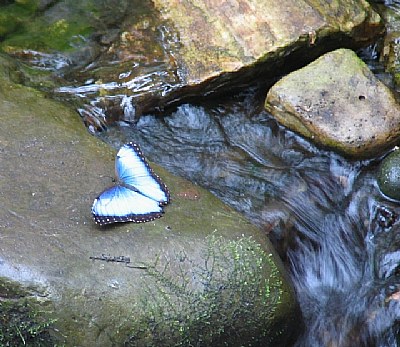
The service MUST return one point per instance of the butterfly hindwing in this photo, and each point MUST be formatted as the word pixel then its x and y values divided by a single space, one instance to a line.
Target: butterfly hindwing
pixel 120 204
pixel 133 170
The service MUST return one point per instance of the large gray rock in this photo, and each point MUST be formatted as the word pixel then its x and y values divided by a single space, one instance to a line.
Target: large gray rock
pixel 337 102
pixel 201 275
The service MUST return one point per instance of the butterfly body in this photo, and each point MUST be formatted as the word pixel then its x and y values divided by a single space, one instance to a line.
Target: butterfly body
pixel 138 196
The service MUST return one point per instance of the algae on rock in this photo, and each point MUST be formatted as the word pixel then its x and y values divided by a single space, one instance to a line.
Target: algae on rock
pixel 23 322
pixel 228 300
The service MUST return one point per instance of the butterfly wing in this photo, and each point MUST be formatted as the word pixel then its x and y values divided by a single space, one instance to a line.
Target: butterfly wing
pixel 120 204
pixel 133 170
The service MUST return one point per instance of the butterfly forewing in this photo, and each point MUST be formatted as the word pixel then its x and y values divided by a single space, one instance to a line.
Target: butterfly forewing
pixel 120 204
pixel 133 170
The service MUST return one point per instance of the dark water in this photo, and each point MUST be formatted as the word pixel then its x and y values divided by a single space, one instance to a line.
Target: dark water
pixel 337 234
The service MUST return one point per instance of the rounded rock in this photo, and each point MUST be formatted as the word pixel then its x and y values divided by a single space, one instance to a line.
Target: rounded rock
pixel 389 176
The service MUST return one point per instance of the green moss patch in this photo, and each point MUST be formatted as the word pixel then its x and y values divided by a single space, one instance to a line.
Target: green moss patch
pixel 14 15
pixel 21 27
pixel 228 300
pixel 40 36
pixel 22 321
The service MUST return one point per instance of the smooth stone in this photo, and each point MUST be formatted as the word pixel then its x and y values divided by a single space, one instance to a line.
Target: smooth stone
pixel 338 103
pixel 389 175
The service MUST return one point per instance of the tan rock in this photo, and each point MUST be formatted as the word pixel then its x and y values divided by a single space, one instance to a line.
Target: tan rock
pixel 338 102
pixel 223 37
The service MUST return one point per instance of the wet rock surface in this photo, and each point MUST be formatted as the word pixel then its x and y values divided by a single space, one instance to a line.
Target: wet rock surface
pixel 161 52
pixel 390 51
pixel 201 270
pixel 389 175
pixel 218 38
pixel 338 103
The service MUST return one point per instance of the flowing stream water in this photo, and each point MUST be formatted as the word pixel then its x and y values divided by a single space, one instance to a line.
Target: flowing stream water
pixel 335 231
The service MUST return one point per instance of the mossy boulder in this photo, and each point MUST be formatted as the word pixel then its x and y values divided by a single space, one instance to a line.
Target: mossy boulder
pixel 199 275
pixel 222 300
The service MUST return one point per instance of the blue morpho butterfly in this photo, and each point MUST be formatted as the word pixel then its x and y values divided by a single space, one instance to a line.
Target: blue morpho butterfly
pixel 138 196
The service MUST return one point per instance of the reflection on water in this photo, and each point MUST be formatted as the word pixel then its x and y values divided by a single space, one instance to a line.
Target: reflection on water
pixel 324 213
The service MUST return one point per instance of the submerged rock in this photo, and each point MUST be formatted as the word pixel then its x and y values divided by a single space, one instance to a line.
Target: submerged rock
pixel 389 175
pixel 201 275
pixel 338 103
